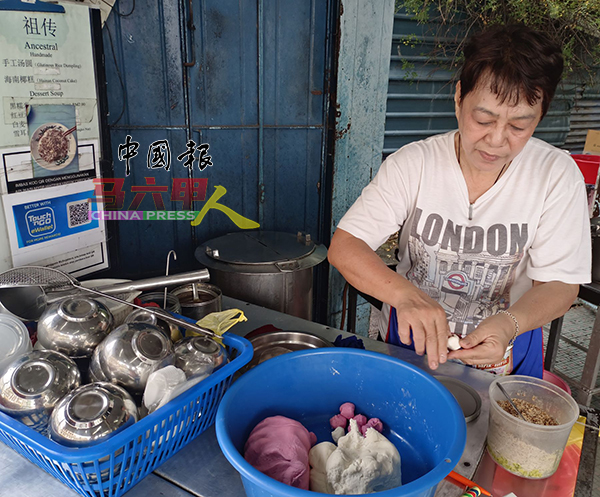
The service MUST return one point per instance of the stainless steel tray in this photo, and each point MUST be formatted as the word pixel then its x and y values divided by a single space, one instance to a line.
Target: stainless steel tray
pixel 274 343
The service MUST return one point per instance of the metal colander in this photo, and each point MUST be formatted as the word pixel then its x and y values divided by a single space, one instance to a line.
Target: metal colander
pixel 51 280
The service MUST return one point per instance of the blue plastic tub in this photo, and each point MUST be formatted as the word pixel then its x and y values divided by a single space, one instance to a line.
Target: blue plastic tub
pixel 112 467
pixel 419 415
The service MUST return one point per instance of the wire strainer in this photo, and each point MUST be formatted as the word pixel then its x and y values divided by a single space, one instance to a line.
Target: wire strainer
pixel 52 280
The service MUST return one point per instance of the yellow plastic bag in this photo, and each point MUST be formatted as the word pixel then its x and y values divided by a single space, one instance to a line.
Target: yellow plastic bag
pixel 220 322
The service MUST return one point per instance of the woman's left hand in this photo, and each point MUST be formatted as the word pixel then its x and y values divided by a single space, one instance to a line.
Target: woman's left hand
pixel 488 343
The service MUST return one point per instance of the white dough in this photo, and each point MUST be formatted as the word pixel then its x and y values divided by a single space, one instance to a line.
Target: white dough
pixel 362 465
pixel 338 433
pixel 317 458
pixel 453 342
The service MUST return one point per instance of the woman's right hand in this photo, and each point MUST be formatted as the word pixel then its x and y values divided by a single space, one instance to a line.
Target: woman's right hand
pixel 364 270
pixel 418 312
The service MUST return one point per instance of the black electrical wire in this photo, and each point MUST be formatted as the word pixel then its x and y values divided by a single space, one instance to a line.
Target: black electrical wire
pixel 118 75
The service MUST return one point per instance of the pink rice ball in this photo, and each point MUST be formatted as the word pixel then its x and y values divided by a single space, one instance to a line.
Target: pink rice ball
pixel 338 421
pixel 347 410
pixel 372 423
pixel 361 420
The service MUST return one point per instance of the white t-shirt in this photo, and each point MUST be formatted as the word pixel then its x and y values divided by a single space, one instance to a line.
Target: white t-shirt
pixel 533 224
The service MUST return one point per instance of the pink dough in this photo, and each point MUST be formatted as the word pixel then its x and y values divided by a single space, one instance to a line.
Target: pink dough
pixel 278 447
pixel 361 420
pixel 347 410
pixel 372 423
pixel 338 421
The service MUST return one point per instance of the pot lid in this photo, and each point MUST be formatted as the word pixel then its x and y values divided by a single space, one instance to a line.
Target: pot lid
pixel 466 396
pixel 259 247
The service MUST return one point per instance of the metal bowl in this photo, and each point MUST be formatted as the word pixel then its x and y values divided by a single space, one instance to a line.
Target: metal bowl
pixel 199 356
pixel 276 343
pixel 33 384
pixel 153 317
pixel 118 310
pixel 91 414
pixel 129 354
pixel 74 326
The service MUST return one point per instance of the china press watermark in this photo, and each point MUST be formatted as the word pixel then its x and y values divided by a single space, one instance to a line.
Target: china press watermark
pixel 159 155
pixel 110 193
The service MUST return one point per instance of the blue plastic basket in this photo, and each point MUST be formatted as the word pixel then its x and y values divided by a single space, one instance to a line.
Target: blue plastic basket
pixel 419 414
pixel 111 468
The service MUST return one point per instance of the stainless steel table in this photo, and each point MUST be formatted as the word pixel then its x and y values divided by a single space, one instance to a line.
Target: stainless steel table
pixel 201 470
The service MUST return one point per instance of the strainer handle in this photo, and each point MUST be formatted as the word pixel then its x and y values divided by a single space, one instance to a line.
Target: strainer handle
pixel 201 275
pixel 165 317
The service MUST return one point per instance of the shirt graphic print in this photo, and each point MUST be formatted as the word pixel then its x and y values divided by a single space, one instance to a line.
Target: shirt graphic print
pixel 468 270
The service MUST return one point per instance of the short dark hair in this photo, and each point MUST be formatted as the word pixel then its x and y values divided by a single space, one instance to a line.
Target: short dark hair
pixel 519 62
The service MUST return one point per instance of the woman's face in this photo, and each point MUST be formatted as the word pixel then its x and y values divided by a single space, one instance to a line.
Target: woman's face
pixel 493 133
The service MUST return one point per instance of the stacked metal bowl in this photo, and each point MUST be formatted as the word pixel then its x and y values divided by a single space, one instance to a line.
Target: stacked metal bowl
pixel 81 383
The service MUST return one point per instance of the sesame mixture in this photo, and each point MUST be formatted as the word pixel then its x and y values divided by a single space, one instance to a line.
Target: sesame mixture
pixel 531 413
pixel 53 145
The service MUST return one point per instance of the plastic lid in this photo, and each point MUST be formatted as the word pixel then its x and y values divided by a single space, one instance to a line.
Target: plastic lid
pixel 466 396
pixel 14 337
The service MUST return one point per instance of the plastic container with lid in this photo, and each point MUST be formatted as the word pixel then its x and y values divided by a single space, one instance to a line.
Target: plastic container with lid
pixel 522 448
pixel 14 340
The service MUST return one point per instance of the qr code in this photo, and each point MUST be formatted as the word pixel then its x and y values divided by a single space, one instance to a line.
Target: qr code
pixel 78 213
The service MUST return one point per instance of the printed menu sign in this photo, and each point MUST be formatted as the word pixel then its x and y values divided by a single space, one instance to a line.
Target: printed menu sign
pixel 49 105
pixel 49 139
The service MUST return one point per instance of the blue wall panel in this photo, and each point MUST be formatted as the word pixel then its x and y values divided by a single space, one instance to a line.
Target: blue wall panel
pixel 294 61
pixel 148 51
pixel 143 245
pixel 291 161
pixel 224 80
pixel 234 156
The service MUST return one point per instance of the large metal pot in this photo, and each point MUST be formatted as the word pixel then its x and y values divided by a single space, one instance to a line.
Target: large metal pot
pixel 267 268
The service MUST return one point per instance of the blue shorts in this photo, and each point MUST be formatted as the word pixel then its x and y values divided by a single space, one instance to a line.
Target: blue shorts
pixel 528 358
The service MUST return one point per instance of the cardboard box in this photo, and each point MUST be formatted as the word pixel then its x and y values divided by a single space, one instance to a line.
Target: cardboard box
pixel 592 142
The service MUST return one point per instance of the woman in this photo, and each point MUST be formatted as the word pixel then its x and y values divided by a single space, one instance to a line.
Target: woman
pixel 494 228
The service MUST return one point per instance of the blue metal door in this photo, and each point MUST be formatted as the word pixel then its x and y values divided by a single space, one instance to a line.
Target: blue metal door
pixel 249 79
